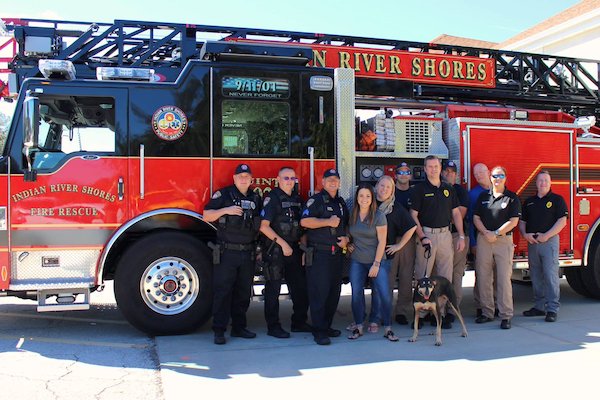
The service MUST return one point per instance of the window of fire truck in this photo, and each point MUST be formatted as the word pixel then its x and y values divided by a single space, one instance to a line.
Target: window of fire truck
pixel 252 127
pixel 74 124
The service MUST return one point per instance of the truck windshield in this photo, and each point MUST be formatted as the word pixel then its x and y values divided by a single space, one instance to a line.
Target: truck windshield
pixel 6 114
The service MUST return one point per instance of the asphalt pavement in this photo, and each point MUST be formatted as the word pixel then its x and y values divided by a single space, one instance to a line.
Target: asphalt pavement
pixel 95 354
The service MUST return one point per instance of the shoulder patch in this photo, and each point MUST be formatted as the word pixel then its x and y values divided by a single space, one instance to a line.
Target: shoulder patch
pixel 217 194
pixel 310 202
pixel 266 201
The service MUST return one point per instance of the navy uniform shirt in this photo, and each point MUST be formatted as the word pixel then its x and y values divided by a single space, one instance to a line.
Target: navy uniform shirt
pixel 541 213
pixel 321 205
pixel 463 200
pixel 283 213
pixel 434 204
pixel 403 197
pixel 398 222
pixel 494 212
pixel 233 228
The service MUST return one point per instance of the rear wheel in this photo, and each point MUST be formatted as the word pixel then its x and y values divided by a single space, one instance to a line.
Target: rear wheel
pixel 590 274
pixel 163 283
pixel 575 280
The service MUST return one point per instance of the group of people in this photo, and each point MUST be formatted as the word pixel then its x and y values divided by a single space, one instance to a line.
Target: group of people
pixel 393 233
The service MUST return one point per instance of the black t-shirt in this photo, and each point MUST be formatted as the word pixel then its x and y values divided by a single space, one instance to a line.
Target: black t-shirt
pixel 494 212
pixel 434 204
pixel 233 228
pixel 283 213
pixel 463 200
pixel 541 213
pixel 403 196
pixel 398 222
pixel 321 205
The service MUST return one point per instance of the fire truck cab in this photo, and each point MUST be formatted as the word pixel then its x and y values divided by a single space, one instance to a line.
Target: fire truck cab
pixel 122 133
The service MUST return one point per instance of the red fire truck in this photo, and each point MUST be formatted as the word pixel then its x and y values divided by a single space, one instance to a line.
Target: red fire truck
pixel 122 132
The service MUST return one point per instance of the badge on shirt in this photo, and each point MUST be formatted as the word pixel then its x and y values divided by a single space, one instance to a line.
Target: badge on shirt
pixel 266 201
pixel 504 204
pixel 310 202
pixel 329 208
pixel 549 204
pixel 446 192
pixel 217 194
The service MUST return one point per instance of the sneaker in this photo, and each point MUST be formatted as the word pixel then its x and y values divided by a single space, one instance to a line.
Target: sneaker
pixel 303 327
pixel 401 319
pixel 278 332
pixel 551 316
pixel 533 312
pixel 243 333
pixel 505 324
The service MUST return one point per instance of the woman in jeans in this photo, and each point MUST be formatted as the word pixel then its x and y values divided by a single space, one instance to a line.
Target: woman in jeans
pixel 368 229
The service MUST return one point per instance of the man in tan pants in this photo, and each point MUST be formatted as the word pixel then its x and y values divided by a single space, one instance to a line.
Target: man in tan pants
pixel 434 206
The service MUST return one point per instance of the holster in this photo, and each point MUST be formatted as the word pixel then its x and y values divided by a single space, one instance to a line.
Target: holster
pixel 308 255
pixel 216 253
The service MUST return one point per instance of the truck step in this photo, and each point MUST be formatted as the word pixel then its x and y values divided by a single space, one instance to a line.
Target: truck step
pixel 63 299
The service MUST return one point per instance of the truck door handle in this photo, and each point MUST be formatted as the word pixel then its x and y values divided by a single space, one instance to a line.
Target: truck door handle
pixel 121 187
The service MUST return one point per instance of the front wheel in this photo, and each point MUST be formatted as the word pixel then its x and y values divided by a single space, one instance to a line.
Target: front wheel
pixel 163 283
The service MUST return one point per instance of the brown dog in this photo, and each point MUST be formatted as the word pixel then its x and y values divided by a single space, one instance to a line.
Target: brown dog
pixel 433 294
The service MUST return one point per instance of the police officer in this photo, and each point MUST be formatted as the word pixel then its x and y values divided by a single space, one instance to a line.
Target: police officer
pixel 544 216
pixel 496 213
pixel 459 262
pixel 403 264
pixel 236 210
pixel 280 226
pixel 325 217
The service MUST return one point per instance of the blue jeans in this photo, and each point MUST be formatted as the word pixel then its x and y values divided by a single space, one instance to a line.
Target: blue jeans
pixel 358 275
pixel 543 268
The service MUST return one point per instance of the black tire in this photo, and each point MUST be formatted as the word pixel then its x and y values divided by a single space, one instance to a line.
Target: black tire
pixel 575 280
pixel 163 283
pixel 590 274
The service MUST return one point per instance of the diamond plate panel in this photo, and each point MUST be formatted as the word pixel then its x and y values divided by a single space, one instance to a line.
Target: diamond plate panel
pixel 68 266
pixel 344 109
pixel 451 135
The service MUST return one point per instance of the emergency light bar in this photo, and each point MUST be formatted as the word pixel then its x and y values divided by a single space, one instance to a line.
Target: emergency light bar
pixel 120 73
pixel 60 69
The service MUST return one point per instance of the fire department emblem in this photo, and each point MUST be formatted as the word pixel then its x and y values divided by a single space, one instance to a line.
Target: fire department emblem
pixel 169 123
pixel 446 192
pixel 549 204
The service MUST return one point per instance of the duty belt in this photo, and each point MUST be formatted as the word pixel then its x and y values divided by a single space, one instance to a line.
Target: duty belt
pixel 238 246
pixel 330 248
pixel 436 230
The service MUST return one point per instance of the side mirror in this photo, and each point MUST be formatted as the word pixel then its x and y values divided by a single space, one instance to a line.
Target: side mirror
pixel 31 131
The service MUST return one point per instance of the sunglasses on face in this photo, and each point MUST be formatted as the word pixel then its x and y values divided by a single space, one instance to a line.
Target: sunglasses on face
pixel 289 178
pixel 498 176
pixel 402 172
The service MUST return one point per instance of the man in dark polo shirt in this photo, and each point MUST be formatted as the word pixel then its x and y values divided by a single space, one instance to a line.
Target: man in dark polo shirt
pixel 403 177
pixel 544 216
pixel 434 206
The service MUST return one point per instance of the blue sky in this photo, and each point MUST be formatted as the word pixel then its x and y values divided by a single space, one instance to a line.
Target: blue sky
pixel 403 20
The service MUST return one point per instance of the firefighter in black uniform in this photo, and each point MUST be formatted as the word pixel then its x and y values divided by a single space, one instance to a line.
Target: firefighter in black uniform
pixel 326 219
pixel 282 257
pixel 236 210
